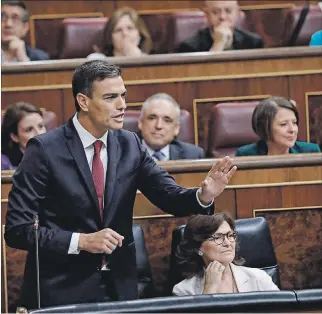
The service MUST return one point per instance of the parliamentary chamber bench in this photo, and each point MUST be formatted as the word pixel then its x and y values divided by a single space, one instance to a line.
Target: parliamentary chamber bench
pixel 286 191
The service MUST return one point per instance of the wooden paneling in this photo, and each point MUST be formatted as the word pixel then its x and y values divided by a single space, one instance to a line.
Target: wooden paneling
pixel 196 81
pixel 77 6
pixel 297 239
pixel 159 251
pixel 260 183
pixel 297 86
pixel 51 100
pixel 83 6
pixel 313 103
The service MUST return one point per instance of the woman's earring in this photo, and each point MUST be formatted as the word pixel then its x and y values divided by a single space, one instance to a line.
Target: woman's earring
pixel 200 253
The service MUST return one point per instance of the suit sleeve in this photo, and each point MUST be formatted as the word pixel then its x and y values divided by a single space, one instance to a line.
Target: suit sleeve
pixel 27 197
pixel 161 189
pixel 202 153
pixel 259 43
pixel 185 47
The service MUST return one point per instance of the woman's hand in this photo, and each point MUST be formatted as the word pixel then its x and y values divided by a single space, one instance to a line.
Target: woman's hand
pixel 213 276
pixel 131 50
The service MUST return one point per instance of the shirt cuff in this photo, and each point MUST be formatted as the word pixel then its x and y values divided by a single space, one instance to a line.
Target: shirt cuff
pixel 198 200
pixel 73 246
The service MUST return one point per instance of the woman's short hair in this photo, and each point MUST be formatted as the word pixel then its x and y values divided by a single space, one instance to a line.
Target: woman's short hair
pixel 199 228
pixel 145 43
pixel 14 114
pixel 265 112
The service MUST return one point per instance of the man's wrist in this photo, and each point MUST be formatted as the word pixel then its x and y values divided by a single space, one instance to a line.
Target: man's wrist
pixel 82 241
pixel 23 58
pixel 202 201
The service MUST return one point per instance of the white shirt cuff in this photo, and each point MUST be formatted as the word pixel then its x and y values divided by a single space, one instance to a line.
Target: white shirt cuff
pixel 198 200
pixel 73 246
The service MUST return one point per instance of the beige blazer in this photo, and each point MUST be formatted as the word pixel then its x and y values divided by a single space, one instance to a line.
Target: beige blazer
pixel 247 279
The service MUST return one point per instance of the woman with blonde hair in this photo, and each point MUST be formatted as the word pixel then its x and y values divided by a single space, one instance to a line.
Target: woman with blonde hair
pixel 125 34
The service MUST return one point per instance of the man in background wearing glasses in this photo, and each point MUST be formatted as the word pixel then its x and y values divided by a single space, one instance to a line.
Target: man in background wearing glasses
pixel 14 27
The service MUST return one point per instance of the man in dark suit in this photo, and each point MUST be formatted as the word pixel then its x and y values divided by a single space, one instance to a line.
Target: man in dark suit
pixel 81 179
pixel 222 33
pixel 159 124
pixel 14 27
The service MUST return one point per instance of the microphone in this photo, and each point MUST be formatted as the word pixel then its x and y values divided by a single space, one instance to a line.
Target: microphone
pixel 36 226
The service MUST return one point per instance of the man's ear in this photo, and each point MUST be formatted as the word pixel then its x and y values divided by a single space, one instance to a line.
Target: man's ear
pixel 140 124
pixel 26 28
pixel 83 101
pixel 177 129
pixel 14 138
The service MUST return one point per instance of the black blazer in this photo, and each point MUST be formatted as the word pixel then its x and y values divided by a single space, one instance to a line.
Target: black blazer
pixel 36 54
pixel 55 181
pixel 203 41
pixel 182 150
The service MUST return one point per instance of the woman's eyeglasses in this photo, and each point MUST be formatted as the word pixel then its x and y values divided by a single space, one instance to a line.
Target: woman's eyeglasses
pixel 219 238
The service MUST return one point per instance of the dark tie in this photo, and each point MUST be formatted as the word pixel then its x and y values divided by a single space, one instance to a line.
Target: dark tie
pixel 158 155
pixel 98 174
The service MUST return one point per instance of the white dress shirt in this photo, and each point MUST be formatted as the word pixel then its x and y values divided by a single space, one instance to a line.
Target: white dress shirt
pixel 88 141
pixel 165 151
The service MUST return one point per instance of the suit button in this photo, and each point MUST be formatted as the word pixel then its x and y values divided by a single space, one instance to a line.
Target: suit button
pixel 98 268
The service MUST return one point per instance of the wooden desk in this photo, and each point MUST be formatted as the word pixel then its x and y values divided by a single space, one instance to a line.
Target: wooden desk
pixel 286 190
pixel 83 6
pixel 197 81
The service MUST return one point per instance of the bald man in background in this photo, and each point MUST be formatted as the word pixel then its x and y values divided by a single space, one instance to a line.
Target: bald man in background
pixel 221 33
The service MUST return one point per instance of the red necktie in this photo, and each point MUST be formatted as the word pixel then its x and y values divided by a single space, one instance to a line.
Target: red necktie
pixel 98 178
pixel 98 174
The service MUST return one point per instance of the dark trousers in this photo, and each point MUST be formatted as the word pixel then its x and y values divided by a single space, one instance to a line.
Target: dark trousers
pixel 107 289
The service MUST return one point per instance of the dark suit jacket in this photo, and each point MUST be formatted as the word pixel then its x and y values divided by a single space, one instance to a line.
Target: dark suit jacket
pixel 36 54
pixel 260 148
pixel 203 41
pixel 182 150
pixel 55 181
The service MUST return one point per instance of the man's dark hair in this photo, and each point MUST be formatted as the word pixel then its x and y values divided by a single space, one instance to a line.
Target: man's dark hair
pixel 89 72
pixel 265 112
pixel 25 17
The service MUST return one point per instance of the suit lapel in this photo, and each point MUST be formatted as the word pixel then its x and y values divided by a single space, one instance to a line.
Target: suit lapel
pixel 76 149
pixel 175 152
pixel 242 280
pixel 113 158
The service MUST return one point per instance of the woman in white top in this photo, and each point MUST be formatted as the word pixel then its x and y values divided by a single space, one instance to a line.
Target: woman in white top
pixel 207 255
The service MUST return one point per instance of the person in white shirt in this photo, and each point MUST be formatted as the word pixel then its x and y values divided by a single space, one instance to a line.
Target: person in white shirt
pixel 207 255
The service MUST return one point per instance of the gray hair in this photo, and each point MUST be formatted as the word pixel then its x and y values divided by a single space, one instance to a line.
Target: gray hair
pixel 159 96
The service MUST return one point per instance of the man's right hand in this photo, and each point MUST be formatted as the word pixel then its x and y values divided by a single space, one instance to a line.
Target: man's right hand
pixel 104 241
pixel 222 36
pixel 17 48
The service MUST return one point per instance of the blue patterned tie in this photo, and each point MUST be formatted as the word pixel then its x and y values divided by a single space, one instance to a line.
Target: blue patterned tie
pixel 158 155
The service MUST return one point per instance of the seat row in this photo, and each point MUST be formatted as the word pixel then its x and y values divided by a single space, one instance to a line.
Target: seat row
pixel 75 37
pixel 255 246
pixel 229 127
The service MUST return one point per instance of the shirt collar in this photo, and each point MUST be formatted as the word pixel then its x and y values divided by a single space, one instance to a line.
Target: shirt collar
pixel 87 138
pixel 165 150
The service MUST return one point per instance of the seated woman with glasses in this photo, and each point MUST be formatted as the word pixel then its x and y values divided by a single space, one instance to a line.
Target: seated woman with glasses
pixel 208 258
